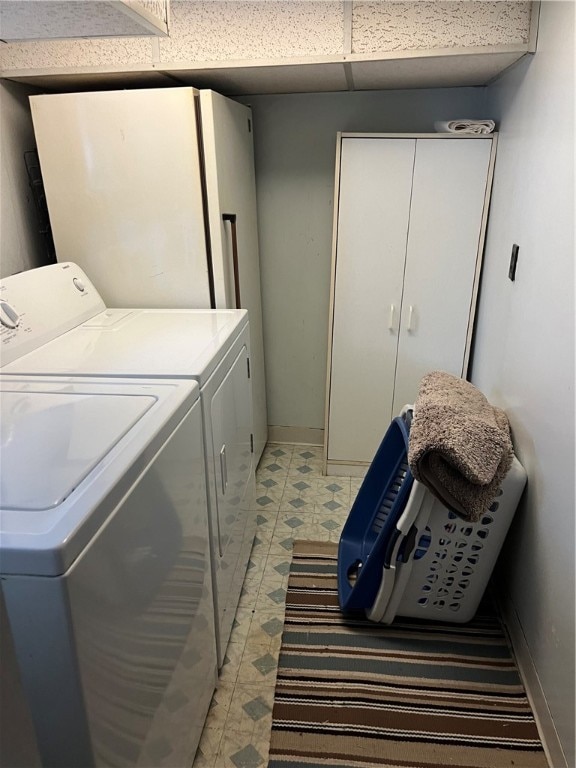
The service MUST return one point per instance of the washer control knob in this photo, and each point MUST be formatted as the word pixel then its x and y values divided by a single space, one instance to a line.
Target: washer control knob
pixel 79 284
pixel 8 316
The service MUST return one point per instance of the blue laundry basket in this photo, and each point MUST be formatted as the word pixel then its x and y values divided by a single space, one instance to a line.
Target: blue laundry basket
pixel 402 553
pixel 368 537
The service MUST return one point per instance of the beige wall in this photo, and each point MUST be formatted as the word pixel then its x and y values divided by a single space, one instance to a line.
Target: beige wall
pixel 295 144
pixel 21 246
pixel 524 350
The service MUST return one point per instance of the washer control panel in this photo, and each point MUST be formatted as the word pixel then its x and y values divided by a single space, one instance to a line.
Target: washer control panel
pixel 9 318
pixel 40 304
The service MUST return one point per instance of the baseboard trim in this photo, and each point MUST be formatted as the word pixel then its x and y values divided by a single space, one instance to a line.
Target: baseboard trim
pixel 296 435
pixel 341 469
pixel 544 722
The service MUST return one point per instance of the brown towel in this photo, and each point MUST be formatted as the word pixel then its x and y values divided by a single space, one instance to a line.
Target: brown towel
pixel 460 445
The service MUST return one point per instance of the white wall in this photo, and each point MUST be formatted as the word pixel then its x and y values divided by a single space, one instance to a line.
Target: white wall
pixel 21 246
pixel 295 145
pixel 524 347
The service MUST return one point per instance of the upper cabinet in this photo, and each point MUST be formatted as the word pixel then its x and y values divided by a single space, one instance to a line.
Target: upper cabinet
pixel 22 20
pixel 291 46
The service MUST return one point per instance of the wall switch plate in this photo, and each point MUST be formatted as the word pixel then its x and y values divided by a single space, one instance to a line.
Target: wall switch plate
pixel 513 262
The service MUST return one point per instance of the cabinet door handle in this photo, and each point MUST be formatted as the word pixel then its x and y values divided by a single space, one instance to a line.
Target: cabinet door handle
pixel 410 316
pixel 223 469
pixel 391 318
pixel 231 217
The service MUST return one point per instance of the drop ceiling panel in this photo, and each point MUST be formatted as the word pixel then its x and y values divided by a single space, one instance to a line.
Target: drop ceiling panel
pixel 243 30
pixel 235 81
pixel 430 72
pixel 379 26
pixel 97 81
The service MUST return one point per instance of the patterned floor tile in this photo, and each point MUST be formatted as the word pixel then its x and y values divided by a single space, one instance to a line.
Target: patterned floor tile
pixel 265 519
pixel 209 746
pixel 231 665
pixel 308 452
pixel 277 564
pixel 249 595
pixel 266 632
pixel 304 488
pixel 220 705
pixel 311 455
pixel 291 519
pixel 269 492
pixel 237 751
pixel 272 626
pixel 262 741
pixel 333 504
pixel 293 522
pixel 304 471
pixel 265 664
pixel 276 574
pixel 267 504
pixel 282 541
pixel 256 566
pixel 325 511
pixel 315 531
pixel 271 600
pixel 241 625
pixel 293 504
pixel 262 541
pixel 273 465
pixel 278 450
pixel 258 665
pixel 251 709
pixel 293 500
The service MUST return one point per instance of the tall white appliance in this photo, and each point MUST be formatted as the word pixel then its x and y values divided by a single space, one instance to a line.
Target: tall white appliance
pixel 152 192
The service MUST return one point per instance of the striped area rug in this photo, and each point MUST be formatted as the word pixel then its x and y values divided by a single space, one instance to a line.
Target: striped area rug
pixel 413 694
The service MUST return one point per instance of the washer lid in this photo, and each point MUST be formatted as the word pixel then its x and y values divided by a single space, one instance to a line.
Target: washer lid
pixel 50 441
pixel 71 450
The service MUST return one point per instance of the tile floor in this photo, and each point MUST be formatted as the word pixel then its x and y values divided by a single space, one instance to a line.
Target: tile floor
pixel 294 501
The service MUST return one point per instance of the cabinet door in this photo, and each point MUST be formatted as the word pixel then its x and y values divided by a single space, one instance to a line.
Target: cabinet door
pixel 374 203
pixel 449 187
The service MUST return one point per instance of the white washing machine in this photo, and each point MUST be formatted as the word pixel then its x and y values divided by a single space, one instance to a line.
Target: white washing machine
pixel 55 323
pixel 105 569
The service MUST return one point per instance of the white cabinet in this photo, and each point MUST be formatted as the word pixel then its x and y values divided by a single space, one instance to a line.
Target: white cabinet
pixel 409 226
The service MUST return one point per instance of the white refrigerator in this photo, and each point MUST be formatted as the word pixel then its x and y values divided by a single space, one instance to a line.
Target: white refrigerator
pixel 152 192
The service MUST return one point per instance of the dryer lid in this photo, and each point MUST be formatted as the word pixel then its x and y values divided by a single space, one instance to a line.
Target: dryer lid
pixel 51 441
pixel 176 343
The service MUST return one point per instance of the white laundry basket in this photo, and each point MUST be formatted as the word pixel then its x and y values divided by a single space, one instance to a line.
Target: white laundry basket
pixel 441 563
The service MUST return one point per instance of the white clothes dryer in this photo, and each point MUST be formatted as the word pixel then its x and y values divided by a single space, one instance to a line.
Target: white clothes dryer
pixel 105 568
pixel 55 323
